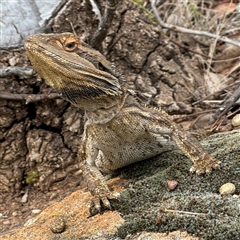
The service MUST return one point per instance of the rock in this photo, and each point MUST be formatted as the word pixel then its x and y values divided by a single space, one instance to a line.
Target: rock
pixel 227 188
pixel 172 184
pixel 36 211
pixel 236 120
pixel 180 235
pixel 14 214
pixel 74 209
pixel 6 222
pixel 58 224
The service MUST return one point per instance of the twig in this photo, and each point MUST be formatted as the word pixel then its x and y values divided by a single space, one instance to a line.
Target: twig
pixel 188 48
pixel 213 101
pixel 29 97
pixel 20 71
pixel 73 30
pixel 215 93
pixel 180 118
pixel 115 41
pixel 104 24
pixel 218 124
pixel 226 106
pixel 233 31
pixel 214 44
pixel 225 60
pixel 184 212
pixel 212 49
pixel 220 121
pixel 233 113
pixel 190 31
pixel 233 69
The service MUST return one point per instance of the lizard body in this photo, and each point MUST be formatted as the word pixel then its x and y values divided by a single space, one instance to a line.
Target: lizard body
pixel 119 130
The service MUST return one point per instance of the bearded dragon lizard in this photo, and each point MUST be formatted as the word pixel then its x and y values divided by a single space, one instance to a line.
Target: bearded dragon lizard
pixel 119 130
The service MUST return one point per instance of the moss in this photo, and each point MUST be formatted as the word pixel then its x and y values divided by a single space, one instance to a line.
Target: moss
pixel 148 194
pixel 139 2
pixel 32 177
pixel 145 10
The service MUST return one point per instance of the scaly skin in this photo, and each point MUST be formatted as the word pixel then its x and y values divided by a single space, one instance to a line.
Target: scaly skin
pixel 119 130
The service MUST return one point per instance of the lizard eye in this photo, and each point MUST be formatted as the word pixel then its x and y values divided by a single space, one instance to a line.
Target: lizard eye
pixel 70 46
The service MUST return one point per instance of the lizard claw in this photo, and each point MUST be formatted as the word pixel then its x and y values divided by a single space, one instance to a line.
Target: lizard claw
pixel 205 165
pixel 95 205
pixel 117 196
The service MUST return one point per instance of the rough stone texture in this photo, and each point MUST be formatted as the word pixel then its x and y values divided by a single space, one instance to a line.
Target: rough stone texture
pixel 197 194
pixel 146 201
pixel 74 211
pixel 179 235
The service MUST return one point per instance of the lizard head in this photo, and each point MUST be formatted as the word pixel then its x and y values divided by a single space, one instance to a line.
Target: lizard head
pixel 70 66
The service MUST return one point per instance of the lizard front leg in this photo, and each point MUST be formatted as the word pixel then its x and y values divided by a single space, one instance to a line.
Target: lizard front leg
pixel 94 179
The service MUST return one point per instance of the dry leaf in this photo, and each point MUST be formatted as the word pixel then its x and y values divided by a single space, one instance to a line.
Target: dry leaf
pixel 215 82
pixel 223 9
pixel 231 54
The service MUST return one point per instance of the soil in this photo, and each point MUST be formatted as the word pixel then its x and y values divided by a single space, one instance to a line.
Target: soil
pixel 16 213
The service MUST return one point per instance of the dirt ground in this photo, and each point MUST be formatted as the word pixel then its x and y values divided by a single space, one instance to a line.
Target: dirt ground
pixel 15 213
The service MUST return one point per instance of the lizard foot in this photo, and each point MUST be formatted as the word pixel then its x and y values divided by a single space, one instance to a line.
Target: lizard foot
pixel 205 164
pixel 103 196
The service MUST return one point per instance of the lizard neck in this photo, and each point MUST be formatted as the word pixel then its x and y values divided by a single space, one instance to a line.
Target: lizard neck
pixel 106 114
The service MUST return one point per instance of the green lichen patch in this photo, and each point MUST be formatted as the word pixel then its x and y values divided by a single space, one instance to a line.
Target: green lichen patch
pixel 32 177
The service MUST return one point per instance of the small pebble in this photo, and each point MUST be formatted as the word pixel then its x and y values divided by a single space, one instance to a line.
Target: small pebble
pixel 6 222
pixel 236 120
pixel 14 214
pixel 3 216
pixel 79 172
pixel 30 222
pixel 13 61
pixel 172 184
pixel 227 188
pixel 25 197
pixel 36 211
pixel 58 224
